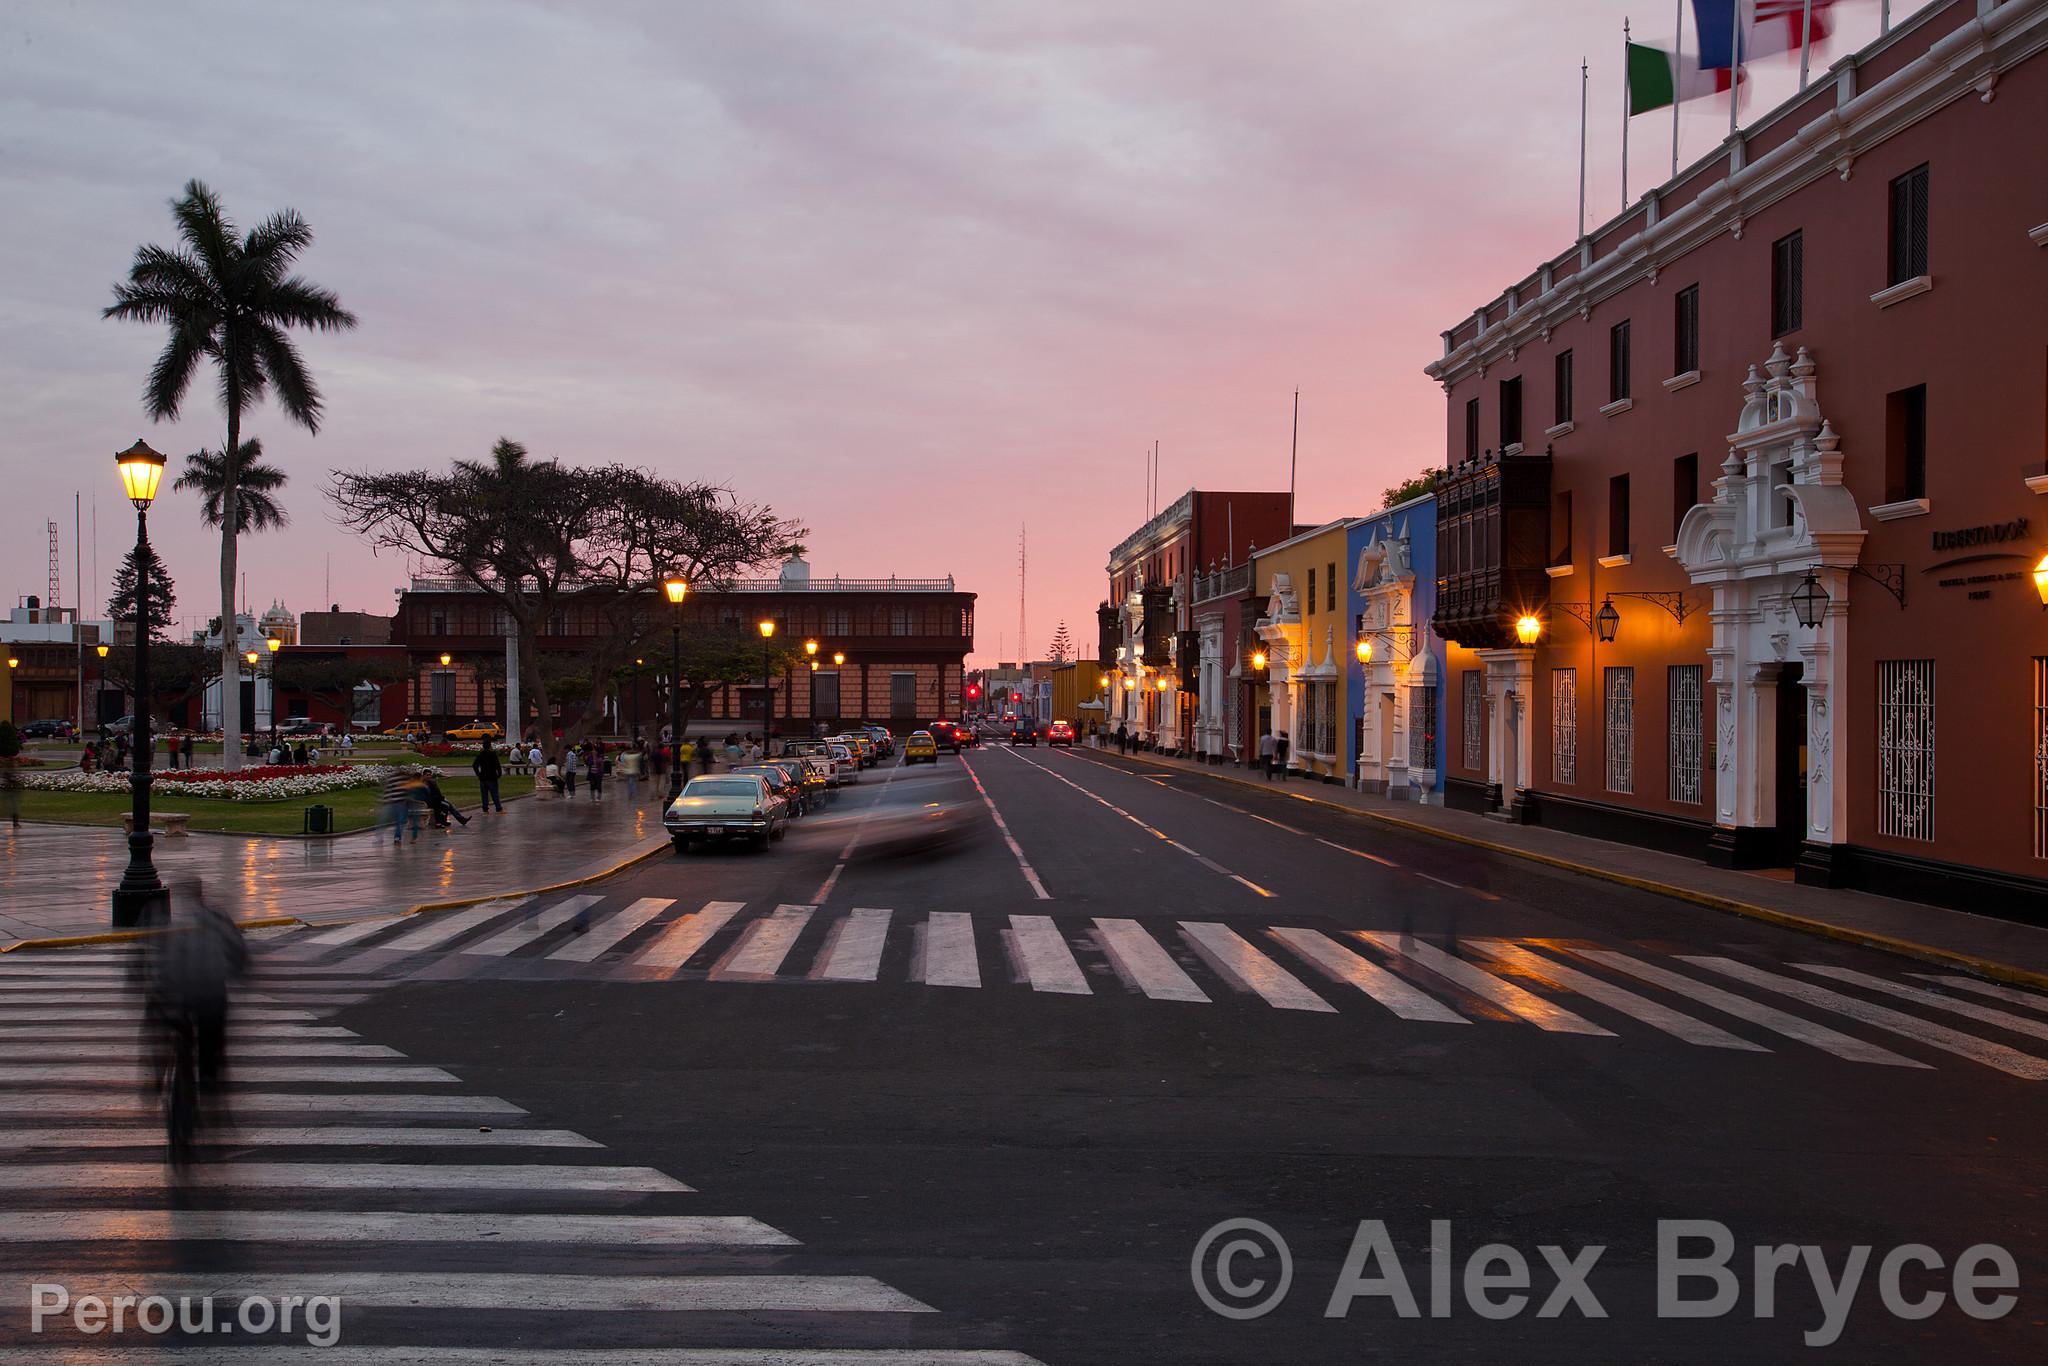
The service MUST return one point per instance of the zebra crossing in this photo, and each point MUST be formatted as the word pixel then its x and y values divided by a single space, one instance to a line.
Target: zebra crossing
pixel 1561 987
pixel 354 1174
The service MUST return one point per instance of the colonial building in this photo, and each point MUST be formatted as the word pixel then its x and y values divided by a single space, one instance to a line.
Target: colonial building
pixel 1228 713
pixel 1145 630
pixel 1734 549
pixel 51 664
pixel 891 651
pixel 1306 629
pixel 1394 694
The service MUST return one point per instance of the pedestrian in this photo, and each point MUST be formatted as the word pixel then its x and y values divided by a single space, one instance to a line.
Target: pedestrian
pixel 10 791
pixel 89 760
pixel 1123 738
pixel 401 793
pixel 120 751
pixel 703 757
pixel 185 749
pixel 1280 754
pixel 348 744
pixel 629 769
pixel 595 761
pixel 299 753
pixel 571 761
pixel 1267 745
pixel 437 803
pixel 487 770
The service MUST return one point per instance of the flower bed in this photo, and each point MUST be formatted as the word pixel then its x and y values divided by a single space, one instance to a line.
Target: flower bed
pixel 265 783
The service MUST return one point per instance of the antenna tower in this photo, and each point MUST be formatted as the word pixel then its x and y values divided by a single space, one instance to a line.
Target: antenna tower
pixel 56 581
pixel 1023 650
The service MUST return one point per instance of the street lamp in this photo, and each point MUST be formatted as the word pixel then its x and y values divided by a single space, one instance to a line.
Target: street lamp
pixel 272 644
pixel 446 659
pixel 2041 580
pixel 1528 627
pixel 767 628
pixel 140 897
pixel 1810 600
pixel 1259 660
pixel 675 588
pixel 838 658
pixel 1365 649
pixel 1605 621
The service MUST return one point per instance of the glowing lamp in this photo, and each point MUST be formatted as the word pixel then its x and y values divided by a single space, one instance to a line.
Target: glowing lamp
pixel 1527 628
pixel 272 644
pixel 446 659
pixel 1258 659
pixel 1129 683
pixel 767 628
pixel 1365 650
pixel 2041 580
pixel 13 663
pixel 101 650
pixel 810 647
pixel 840 658
pixel 251 656
pixel 142 469
pixel 676 588
pixel 1162 685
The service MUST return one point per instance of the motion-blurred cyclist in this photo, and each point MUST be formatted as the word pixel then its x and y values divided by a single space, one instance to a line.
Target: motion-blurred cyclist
pixel 186 972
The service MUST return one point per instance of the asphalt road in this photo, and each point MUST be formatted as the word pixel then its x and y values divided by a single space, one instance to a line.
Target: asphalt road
pixel 1019 1083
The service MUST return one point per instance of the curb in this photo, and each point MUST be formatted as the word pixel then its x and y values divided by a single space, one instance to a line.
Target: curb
pixel 277 922
pixel 1927 953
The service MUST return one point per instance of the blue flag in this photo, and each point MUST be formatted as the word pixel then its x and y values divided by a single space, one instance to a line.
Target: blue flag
pixel 1715 22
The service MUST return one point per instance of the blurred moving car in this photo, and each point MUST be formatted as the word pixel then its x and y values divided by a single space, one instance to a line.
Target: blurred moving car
pixel 300 726
pixel 46 730
pixel 726 806
pixel 1060 733
pixel 478 730
pixel 920 748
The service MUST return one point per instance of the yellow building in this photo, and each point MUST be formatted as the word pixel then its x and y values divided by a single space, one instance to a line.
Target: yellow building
pixel 1077 695
pixel 1305 629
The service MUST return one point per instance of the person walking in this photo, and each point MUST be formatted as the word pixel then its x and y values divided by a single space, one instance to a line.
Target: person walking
pixel 595 759
pixel 401 791
pixel 488 770
pixel 571 762
pixel 1267 745
pixel 629 768
pixel 1123 738
pixel 1280 754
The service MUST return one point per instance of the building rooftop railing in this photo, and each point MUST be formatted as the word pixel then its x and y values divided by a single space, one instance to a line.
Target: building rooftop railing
pixel 424 583
pixel 1224 582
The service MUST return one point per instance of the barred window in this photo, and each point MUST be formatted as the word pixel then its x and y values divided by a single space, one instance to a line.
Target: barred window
pixel 1909 226
pixel 1788 284
pixel 1564 725
pixel 1422 729
pixel 1475 719
pixel 1905 748
pixel 2040 756
pixel 1620 695
pixel 1687 747
pixel 1326 720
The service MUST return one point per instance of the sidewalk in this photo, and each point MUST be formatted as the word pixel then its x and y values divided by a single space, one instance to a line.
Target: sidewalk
pixel 1995 948
pixel 58 880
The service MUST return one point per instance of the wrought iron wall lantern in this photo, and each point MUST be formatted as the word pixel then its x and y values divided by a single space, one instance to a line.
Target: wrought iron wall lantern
pixel 1810 600
pixel 1605 621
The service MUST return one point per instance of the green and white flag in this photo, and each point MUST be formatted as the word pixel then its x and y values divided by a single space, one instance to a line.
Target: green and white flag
pixel 1658 78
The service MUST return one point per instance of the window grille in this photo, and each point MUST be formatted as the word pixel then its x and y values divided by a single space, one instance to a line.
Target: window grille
pixel 1561 375
pixel 1621 730
pixel 1788 284
pixel 1905 748
pixel 1475 719
pixel 1687 747
pixel 1422 729
pixel 1909 226
pixel 2040 756
pixel 1564 725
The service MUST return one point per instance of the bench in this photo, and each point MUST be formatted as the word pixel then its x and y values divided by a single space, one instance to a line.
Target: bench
pixel 173 823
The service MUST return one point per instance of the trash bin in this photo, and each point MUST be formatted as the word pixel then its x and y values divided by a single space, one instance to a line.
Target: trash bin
pixel 319 820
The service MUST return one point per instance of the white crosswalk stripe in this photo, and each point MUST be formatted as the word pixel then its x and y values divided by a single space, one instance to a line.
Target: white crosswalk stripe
pixel 1047 961
pixel 1542 1013
pixel 531 926
pixel 50 1104
pixel 1652 1013
pixel 431 931
pixel 2032 999
pixel 1882 1017
pixel 1229 953
pixel 763 945
pixel 949 959
pixel 1369 977
pixel 1141 958
pixel 385 1226
pixel 684 936
pixel 2004 1019
pixel 855 954
pixel 590 945
pixel 526 1178
pixel 305 1136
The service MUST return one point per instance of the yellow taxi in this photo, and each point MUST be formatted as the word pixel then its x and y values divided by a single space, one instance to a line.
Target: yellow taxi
pixel 410 730
pixel 920 748
pixel 478 730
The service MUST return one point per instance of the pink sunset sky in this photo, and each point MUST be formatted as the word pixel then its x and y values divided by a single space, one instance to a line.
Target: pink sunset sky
pixel 914 273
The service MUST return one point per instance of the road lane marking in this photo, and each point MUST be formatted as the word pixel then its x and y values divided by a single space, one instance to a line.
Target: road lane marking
pixel 434 931
pixel 1537 1010
pixel 1757 1013
pixel 1228 953
pixel 1148 828
pixel 525 1178
pixel 306 1136
pixel 526 1292
pixel 113 1030
pixel 1996 1055
pixel 133 1014
pixel 386 1226
pixel 344 934
pixel 1146 962
pixel 856 951
pixel 2004 1019
pixel 532 927
pixel 1358 853
pixel 239 1048
pixel 1396 994
pixel 1992 989
pixel 1675 1023
pixel 949 959
pixel 1048 962
pixel 260 1102
pixel 686 934
pixel 1016 850
pixel 362 1071
pixel 757 955
pixel 585 948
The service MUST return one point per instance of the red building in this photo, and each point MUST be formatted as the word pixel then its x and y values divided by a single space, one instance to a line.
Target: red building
pixel 1802 382
pixel 1145 631
pixel 891 651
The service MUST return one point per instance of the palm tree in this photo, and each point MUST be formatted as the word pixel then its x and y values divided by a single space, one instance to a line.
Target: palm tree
pixel 230 301
pixel 256 486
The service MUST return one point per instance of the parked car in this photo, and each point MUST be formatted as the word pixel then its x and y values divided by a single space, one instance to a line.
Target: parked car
pixel 848 760
pixel 786 776
pixel 884 738
pixel 1060 733
pixel 46 730
pixel 726 806
pixel 410 730
pixel 120 725
pixel 920 748
pixel 478 730
pixel 300 726
pixel 862 745
pixel 818 753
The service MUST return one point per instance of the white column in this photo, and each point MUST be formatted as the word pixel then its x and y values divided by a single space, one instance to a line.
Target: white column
pixel 512 701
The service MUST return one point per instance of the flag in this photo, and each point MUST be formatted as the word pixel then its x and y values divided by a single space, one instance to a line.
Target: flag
pixel 1658 78
pixel 1764 28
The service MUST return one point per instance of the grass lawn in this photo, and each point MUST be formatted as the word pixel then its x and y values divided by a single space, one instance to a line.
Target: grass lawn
pixel 355 808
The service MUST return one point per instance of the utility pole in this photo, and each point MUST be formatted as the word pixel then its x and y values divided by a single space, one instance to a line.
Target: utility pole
pixel 1293 450
pixel 1023 649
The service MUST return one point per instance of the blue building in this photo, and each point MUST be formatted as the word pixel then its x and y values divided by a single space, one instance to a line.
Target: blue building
pixel 1395 697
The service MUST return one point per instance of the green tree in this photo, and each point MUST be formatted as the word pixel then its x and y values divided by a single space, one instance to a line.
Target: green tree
pixel 177 674
pixel 1062 645
pixel 207 473
pixel 1422 483
pixel 163 594
pixel 230 301
pixel 332 678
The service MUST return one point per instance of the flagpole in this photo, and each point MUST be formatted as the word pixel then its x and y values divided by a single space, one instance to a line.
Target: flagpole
pixel 1884 17
pixel 1805 41
pixel 1677 79
pixel 1734 60
pixel 1582 149
pixel 1626 97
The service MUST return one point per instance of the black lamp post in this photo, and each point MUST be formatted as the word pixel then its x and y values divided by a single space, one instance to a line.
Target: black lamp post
pixel 676 588
pixel 767 683
pixel 638 665
pixel 140 898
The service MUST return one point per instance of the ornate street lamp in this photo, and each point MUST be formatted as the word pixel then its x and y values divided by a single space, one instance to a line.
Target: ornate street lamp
pixel 2041 580
pixel 767 629
pixel 140 897
pixel 446 659
pixel 1809 601
pixel 838 658
pixel 675 588
pixel 1365 649
pixel 1528 627
pixel 1259 660
pixel 1606 621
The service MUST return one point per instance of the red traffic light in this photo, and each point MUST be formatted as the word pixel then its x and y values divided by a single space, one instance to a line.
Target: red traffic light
pixel 974 689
